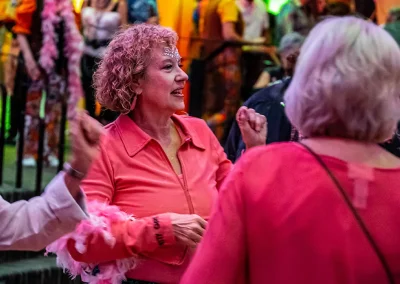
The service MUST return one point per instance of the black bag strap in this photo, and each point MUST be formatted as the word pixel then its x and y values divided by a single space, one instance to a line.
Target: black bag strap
pixel 357 216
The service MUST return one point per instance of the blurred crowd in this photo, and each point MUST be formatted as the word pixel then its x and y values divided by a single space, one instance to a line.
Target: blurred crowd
pixel 245 48
pixel 160 197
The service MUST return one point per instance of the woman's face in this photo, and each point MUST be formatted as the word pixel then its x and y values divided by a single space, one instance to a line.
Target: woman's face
pixel 164 80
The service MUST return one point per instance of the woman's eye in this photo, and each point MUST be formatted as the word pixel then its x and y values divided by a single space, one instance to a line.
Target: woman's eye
pixel 168 66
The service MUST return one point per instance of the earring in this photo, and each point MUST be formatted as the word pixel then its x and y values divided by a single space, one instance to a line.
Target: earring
pixel 133 104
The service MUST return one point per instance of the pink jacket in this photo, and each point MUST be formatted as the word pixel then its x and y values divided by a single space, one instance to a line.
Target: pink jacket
pixel 280 219
pixel 33 224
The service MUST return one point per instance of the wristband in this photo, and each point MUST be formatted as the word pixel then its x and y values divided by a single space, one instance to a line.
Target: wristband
pixel 72 172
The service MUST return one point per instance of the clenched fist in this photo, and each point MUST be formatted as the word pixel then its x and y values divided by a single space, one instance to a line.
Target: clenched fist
pixel 253 127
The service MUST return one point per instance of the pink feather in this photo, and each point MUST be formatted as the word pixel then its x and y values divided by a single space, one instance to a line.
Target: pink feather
pixel 101 217
pixel 55 11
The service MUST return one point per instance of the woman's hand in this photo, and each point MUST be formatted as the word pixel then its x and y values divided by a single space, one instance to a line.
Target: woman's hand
pixel 85 133
pixel 31 65
pixel 253 127
pixel 188 228
pixel 32 68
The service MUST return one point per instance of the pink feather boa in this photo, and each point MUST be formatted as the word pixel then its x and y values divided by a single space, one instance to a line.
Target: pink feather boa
pixel 53 13
pixel 101 217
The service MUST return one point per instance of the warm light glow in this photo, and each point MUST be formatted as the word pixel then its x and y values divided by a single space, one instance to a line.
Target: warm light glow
pixel 77 5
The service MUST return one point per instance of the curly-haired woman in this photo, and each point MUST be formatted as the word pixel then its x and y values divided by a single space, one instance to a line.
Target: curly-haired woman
pixel 163 169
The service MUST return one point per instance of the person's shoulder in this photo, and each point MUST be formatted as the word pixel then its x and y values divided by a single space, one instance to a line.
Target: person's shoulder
pixel 274 92
pixel 277 151
pixel 110 135
pixel 273 163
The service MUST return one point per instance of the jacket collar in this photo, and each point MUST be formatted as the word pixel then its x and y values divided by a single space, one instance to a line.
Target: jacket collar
pixel 135 139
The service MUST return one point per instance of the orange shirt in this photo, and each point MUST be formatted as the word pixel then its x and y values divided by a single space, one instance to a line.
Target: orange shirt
pixel 134 173
pixel 24 13
pixel 383 7
pixel 24 16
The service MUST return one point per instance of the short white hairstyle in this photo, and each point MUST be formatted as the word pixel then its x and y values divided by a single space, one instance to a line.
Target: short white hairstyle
pixel 346 83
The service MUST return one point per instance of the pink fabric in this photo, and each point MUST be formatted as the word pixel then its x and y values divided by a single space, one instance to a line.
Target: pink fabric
pixel 33 224
pixel 133 173
pixel 101 217
pixel 280 219
pixel 55 11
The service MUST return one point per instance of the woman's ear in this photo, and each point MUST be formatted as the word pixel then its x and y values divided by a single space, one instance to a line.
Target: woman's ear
pixel 137 88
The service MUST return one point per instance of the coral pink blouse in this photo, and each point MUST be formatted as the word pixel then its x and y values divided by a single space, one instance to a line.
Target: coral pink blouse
pixel 134 173
pixel 281 220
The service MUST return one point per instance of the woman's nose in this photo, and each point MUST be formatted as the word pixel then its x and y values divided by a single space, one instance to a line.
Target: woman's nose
pixel 182 76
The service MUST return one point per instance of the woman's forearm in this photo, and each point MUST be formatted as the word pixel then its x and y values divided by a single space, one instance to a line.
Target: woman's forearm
pixel 25 48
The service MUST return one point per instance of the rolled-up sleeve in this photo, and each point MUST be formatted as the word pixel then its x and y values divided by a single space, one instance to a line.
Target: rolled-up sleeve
pixel 33 224
pixel 24 14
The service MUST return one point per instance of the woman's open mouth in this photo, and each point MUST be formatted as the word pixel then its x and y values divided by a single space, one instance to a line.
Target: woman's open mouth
pixel 177 93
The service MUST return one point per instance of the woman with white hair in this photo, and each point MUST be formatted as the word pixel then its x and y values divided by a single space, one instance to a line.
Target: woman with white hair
pixel 324 211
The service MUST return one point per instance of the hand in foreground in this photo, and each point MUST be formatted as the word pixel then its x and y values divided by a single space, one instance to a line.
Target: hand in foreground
pixel 85 133
pixel 253 127
pixel 188 229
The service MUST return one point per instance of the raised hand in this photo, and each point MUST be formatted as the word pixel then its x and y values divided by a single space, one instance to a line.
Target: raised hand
pixel 85 133
pixel 253 127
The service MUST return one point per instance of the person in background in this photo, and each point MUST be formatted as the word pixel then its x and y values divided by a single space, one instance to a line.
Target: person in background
pixel 10 68
pixel 221 21
pixel 256 24
pixel 382 9
pixel 34 224
pixel 195 42
pixel 255 18
pixel 324 211
pixel 392 25
pixel 298 16
pixel 158 173
pixel 290 44
pixel 143 11
pixel 101 20
pixel 270 103
pixel 48 64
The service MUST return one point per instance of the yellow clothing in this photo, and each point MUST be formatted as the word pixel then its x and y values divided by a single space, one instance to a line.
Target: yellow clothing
pixel 226 9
